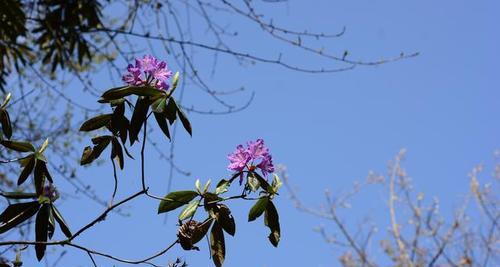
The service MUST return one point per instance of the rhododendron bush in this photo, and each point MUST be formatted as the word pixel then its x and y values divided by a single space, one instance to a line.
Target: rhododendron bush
pixel 203 210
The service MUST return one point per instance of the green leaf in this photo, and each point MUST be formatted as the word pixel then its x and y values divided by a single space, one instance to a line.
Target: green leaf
pixel 176 199
pixel 13 210
pixel 60 220
pixel 226 219
pixel 277 183
pixel 189 210
pixel 162 123
pixel 207 185
pixel 96 123
pixel 138 118
pixel 123 128
pixel 19 195
pixel 86 156
pixel 101 142
pixel 185 121
pixel 46 171
pixel 235 175
pixel 39 177
pixel 222 187
pixel 263 183
pixel 18 146
pixel 210 202
pixel 197 185
pixel 171 111
pixel 117 152
pixel 217 245
pixel 117 118
pixel 44 146
pixel 201 230
pixel 271 220
pixel 13 219
pixel 6 123
pixel 52 224
pixel 121 92
pixel 40 157
pixel 252 182
pixel 27 170
pixel 175 81
pixel 6 100
pixel 159 105
pixel 41 230
pixel 257 209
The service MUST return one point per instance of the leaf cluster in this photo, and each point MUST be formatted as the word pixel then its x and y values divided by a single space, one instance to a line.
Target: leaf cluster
pixel 34 163
pixel 219 219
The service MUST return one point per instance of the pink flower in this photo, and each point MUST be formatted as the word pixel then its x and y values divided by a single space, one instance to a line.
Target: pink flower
pixel 257 149
pixel 266 165
pixel 149 64
pixel 133 77
pixel 162 73
pixel 239 159
pixel 156 73
pixel 247 158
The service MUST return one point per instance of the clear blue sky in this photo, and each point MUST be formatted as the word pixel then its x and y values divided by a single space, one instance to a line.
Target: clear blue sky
pixel 330 129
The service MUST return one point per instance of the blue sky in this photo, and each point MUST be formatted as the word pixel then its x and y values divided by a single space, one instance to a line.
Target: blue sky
pixel 328 129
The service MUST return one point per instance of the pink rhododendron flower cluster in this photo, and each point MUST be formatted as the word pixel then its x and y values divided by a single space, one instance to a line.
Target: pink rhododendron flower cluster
pixel 148 71
pixel 254 156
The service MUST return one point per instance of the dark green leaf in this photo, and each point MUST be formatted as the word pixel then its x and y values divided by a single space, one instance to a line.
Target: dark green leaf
pixel 217 245
pixel 225 219
pixel 263 183
pixel 6 124
pixel 159 105
pixel 176 199
pixel 117 152
pixel 117 93
pixel 201 230
pixel 13 210
pixel 96 123
pixel 101 142
pixel 40 157
pixel 114 93
pixel 39 177
pixel 271 220
pixel 185 121
pixel 235 175
pixel 257 209
pixel 30 165
pixel 46 171
pixel 60 220
pixel 29 210
pixel 123 128
pixel 189 210
pixel 210 203
pixel 52 224
pixel 162 122
pixel 138 118
pixel 171 111
pixel 18 146
pixel 18 195
pixel 86 156
pixel 117 118
pixel 41 230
